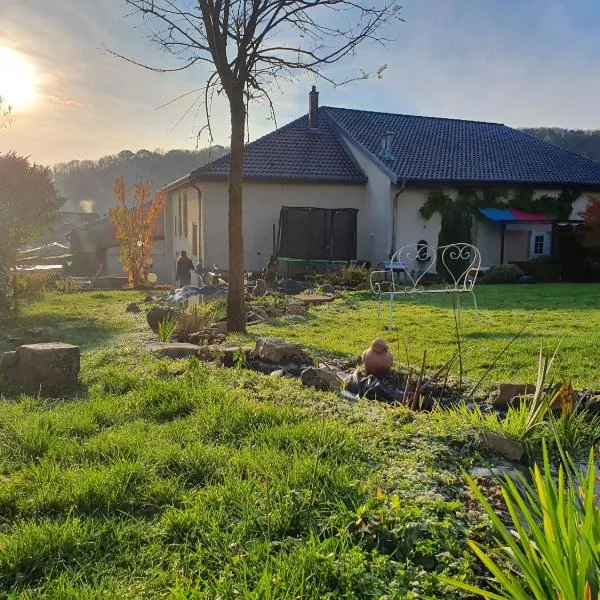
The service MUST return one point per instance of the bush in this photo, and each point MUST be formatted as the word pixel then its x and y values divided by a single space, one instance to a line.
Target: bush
pixel 546 269
pixel 352 276
pixel 31 285
pixel 503 274
pixel 197 318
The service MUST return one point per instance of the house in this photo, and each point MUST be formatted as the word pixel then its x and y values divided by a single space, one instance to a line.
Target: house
pixel 96 250
pixel 384 166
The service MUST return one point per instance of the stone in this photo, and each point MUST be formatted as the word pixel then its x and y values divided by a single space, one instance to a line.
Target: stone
pixel 9 361
pixel 276 351
pixel 50 369
pixel 321 379
pixel 231 355
pixel 260 288
pixel 133 307
pixel 509 393
pixel 220 326
pixel 503 446
pixel 315 298
pixel 277 373
pixel 326 288
pixel 149 298
pixel 175 350
pixel 157 315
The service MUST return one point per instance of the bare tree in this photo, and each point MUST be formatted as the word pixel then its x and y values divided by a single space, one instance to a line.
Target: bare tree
pixel 250 45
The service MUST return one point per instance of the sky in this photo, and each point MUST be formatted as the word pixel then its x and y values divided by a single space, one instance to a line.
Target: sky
pixel 525 63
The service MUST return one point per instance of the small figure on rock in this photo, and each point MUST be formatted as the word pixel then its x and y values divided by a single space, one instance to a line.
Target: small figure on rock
pixel 377 359
pixel 260 288
pixel 270 270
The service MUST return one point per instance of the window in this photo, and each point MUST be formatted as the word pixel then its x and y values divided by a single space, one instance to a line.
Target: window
pixel 195 246
pixel 185 216
pixel 538 244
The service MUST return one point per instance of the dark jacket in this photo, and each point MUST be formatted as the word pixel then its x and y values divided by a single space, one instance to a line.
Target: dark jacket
pixel 185 266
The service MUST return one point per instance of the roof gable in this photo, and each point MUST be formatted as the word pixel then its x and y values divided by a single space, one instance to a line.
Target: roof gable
pixel 293 153
pixel 437 150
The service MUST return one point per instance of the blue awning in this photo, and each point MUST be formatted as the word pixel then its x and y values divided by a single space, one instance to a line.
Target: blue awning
pixel 497 214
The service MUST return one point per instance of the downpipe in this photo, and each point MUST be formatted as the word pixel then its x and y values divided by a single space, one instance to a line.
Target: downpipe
pixel 395 217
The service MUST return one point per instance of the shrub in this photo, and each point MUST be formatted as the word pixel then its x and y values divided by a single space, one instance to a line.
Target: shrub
pixel 31 285
pixel 553 543
pixel 503 274
pixel 546 269
pixel 352 276
pixel 197 318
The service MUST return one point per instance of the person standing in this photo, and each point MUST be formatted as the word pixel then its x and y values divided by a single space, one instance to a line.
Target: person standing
pixel 185 266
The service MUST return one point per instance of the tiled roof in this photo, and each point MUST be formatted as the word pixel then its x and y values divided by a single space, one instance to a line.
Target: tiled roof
pixel 436 150
pixel 293 153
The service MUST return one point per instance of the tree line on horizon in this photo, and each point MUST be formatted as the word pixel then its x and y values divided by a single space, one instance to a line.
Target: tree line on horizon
pixel 88 184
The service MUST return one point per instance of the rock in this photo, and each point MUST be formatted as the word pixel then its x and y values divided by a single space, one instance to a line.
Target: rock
pixel 315 298
pixel 259 312
pixel 176 350
pixel 508 392
pixel 9 361
pixel 321 379
pixel 296 309
pixel 49 369
pixel 289 286
pixel 326 288
pixel 220 326
pixel 276 351
pixel 231 356
pixel 277 373
pixel 260 289
pixel 157 315
pixel 149 298
pixel 133 307
pixel 207 336
pixel 503 446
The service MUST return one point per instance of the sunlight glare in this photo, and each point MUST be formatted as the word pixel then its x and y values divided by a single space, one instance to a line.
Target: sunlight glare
pixel 17 78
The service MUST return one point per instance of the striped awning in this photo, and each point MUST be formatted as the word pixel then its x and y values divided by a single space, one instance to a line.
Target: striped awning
pixel 512 215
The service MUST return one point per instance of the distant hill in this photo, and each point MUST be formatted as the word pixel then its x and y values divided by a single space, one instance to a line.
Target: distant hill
pixel 88 184
pixel 582 141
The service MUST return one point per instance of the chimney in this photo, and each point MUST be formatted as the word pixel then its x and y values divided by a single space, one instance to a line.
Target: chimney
pixel 313 108
pixel 386 144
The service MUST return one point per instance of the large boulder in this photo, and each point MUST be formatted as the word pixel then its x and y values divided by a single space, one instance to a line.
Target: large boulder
pixel 173 350
pixel 277 352
pixel 51 369
pixel 510 393
pixel 321 379
pixel 157 315
pixel 503 446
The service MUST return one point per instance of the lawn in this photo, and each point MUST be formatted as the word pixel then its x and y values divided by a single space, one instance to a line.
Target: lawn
pixel 561 314
pixel 174 479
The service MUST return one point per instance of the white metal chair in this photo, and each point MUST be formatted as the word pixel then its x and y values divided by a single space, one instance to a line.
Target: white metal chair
pixel 407 269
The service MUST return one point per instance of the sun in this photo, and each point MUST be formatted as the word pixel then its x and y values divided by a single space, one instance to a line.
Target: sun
pixel 17 78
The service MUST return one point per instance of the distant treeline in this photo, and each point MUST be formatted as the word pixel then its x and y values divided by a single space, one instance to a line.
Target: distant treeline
pixel 582 141
pixel 88 184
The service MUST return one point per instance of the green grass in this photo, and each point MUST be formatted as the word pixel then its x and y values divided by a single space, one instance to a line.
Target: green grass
pixel 173 480
pixel 169 479
pixel 568 314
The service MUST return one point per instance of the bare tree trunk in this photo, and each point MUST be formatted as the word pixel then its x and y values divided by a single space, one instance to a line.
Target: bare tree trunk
pixel 236 302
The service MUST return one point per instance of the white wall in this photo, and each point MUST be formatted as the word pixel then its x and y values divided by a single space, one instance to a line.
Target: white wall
pixel 114 268
pixel 262 204
pixel 378 203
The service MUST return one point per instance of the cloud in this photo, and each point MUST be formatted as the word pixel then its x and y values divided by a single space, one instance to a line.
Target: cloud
pixel 57 100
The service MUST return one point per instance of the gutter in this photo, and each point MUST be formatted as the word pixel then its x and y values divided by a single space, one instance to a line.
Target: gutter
pixel 395 217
